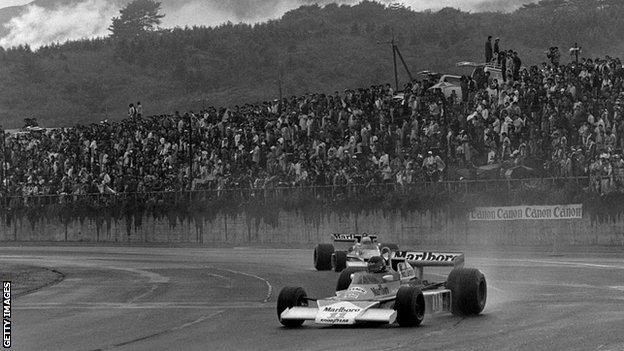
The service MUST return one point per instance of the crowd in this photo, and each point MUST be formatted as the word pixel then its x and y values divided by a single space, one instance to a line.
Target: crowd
pixel 558 119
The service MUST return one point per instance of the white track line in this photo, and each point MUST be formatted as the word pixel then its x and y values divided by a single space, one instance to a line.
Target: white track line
pixel 269 287
pixel 557 263
pixel 138 305
pixel 79 262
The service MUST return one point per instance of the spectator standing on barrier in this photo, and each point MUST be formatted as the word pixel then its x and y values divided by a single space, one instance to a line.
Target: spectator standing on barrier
pixel 574 52
pixel 488 49
pixel 496 50
pixel 131 112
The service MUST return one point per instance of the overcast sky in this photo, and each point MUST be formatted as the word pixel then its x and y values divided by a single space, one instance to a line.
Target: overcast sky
pixel 91 18
pixel 7 3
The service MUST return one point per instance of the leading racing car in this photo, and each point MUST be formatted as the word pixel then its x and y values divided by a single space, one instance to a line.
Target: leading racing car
pixel 389 290
pixel 349 250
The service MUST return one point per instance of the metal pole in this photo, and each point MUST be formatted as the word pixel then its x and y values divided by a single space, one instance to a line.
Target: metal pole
pixel 190 151
pixel 279 83
pixel 409 74
pixel 396 74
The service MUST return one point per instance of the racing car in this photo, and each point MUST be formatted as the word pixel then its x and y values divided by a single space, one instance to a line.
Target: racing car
pixel 354 250
pixel 389 290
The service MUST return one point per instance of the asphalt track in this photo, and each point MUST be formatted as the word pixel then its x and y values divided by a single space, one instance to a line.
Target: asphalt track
pixel 134 298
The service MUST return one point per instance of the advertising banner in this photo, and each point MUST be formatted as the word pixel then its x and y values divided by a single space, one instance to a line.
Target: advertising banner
pixel 512 213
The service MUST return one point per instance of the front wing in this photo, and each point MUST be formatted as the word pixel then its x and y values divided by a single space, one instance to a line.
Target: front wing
pixel 435 301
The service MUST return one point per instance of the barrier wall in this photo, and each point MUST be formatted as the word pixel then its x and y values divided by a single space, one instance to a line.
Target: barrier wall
pixel 424 229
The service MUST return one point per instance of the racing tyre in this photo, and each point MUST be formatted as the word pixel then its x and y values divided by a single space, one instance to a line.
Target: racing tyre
pixel 322 256
pixel 410 306
pixel 290 297
pixel 468 291
pixel 344 280
pixel 339 261
pixel 392 247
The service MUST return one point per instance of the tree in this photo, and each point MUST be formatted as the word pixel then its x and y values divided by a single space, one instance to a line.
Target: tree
pixel 136 18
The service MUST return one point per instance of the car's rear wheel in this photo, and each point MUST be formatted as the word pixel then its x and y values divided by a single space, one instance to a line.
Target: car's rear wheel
pixel 339 261
pixel 290 297
pixel 410 306
pixel 468 291
pixel 322 256
pixel 344 280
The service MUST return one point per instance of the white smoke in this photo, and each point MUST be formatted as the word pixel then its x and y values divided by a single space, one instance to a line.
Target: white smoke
pixel 38 26
pixel 211 13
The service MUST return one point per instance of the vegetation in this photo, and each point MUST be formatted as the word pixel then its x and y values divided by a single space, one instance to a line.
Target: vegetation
pixel 136 19
pixel 316 49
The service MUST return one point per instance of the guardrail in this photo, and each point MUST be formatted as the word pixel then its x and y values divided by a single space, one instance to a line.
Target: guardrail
pixel 325 192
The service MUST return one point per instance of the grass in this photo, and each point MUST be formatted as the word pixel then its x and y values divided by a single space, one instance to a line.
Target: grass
pixel 26 279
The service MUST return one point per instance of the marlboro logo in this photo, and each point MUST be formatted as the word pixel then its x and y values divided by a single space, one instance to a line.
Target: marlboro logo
pixel 427 256
pixel 340 309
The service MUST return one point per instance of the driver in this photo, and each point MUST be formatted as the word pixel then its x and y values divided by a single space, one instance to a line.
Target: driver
pixel 376 264
pixel 366 243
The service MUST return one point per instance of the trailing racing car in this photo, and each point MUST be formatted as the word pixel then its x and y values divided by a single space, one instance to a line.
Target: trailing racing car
pixel 389 290
pixel 349 250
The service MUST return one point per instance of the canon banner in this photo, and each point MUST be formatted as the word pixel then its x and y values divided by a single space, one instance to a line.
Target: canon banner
pixel 511 213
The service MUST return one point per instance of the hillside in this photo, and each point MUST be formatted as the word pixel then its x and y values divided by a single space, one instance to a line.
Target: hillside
pixel 317 49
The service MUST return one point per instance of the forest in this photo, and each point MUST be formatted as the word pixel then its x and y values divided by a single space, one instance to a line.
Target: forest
pixel 309 49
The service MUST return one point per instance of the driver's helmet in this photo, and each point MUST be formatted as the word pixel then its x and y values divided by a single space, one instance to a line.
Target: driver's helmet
pixel 376 264
pixel 366 241
pixel 386 253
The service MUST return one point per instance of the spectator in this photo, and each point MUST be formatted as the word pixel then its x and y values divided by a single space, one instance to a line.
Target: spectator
pixel 488 49
pixel 554 55
pixel 131 111
pixel 496 47
pixel 566 116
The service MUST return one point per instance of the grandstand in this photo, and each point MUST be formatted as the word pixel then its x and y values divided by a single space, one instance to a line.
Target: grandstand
pixel 552 121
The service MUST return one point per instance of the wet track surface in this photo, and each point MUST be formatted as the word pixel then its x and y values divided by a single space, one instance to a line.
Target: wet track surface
pixel 131 298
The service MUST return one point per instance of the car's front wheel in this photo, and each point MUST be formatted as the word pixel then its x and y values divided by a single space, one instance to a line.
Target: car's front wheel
pixel 290 297
pixel 410 306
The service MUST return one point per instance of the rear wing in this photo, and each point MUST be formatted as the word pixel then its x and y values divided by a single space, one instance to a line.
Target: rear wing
pixel 420 259
pixel 344 242
pixel 351 238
